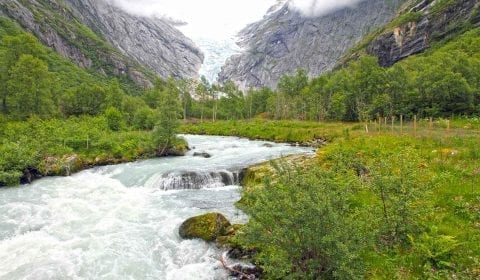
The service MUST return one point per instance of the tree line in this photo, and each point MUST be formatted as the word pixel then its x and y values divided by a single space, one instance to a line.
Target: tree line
pixel 444 82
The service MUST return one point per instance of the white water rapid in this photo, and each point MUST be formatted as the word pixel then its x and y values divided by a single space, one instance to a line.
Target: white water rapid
pixel 121 222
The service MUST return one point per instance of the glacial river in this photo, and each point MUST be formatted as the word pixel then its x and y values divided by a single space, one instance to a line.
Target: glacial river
pixel 121 221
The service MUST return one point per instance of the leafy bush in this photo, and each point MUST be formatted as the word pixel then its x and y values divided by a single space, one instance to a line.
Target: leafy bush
pixel 306 228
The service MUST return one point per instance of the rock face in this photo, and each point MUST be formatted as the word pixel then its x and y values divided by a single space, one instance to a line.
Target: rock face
pixel 286 40
pixel 101 37
pixel 207 227
pixel 151 42
pixel 416 36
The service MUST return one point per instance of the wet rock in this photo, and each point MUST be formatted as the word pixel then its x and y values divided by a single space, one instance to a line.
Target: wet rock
pixel 202 154
pixel 240 253
pixel 64 166
pixel 267 145
pixel 246 272
pixel 207 227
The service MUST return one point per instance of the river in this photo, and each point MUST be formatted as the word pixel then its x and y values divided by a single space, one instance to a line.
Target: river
pixel 121 221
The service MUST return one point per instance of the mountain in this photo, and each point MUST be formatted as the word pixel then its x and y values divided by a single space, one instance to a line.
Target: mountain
pixel 285 40
pixel 99 36
pixel 419 26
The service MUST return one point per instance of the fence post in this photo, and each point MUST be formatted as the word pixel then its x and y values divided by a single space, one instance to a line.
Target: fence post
pixel 430 126
pixel 448 127
pixel 415 126
pixel 401 124
pixel 393 123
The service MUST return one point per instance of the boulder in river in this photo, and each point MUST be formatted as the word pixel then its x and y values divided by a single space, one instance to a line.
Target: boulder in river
pixel 202 154
pixel 207 227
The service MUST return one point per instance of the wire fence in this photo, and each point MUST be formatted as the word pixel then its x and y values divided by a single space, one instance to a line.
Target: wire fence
pixel 425 127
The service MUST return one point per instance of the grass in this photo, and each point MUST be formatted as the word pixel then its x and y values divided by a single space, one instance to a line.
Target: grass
pixel 278 131
pixel 42 146
pixel 449 169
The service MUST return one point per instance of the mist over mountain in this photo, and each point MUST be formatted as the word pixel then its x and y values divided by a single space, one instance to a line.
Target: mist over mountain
pixel 294 37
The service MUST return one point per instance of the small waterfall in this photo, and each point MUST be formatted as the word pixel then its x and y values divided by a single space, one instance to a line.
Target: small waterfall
pixel 181 180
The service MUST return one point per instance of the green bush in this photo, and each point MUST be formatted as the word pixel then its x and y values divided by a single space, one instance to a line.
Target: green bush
pixel 306 228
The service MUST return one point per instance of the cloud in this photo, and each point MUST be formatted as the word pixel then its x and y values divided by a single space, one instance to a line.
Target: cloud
pixel 211 18
pixel 315 8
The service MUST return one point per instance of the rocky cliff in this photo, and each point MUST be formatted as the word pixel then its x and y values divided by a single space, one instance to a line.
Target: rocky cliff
pixel 98 36
pixel 151 42
pixel 421 24
pixel 286 40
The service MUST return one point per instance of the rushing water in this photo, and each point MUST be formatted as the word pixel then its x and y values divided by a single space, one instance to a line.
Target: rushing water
pixel 121 222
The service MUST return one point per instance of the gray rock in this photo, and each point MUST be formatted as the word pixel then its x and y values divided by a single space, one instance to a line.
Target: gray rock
pixel 285 41
pixel 415 37
pixel 202 154
pixel 152 42
pixel 121 45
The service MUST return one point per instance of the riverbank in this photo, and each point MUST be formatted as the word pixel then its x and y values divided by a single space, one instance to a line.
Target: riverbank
pixel 374 206
pixel 293 132
pixel 36 148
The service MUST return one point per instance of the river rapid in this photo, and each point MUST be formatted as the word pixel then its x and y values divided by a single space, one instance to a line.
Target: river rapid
pixel 121 222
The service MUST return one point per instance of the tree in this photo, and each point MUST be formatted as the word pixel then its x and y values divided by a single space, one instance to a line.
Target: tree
pixel 185 87
pixel 84 100
pixel 368 82
pixel 29 86
pixel 12 48
pixel 114 118
pixel 168 112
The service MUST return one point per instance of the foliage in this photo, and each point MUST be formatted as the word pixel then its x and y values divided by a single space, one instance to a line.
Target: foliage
pixel 115 119
pixel 435 250
pixel 164 133
pixel 414 196
pixel 306 227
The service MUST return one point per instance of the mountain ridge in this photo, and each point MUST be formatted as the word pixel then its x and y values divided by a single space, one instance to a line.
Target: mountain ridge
pixel 63 26
pixel 286 40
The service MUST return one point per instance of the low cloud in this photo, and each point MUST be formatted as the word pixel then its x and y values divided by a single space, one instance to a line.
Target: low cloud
pixel 315 8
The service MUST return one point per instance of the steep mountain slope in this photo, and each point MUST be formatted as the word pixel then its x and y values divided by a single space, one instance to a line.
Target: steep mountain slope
pixel 286 40
pixel 98 36
pixel 421 24
pixel 149 41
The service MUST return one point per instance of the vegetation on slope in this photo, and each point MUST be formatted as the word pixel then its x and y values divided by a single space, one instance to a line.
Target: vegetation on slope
pixel 441 83
pixel 374 207
pixel 51 110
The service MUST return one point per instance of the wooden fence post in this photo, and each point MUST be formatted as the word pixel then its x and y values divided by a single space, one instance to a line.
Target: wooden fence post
pixel 430 126
pixel 448 127
pixel 401 124
pixel 415 126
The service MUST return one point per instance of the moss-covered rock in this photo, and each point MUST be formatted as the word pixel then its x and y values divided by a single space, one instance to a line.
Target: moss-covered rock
pixel 207 227
pixel 60 166
pixel 228 240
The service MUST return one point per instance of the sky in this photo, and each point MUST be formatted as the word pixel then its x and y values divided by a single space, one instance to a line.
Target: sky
pixel 206 18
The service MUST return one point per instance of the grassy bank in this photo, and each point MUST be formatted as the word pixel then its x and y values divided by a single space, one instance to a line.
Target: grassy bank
pixel 278 131
pixel 374 206
pixel 36 147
